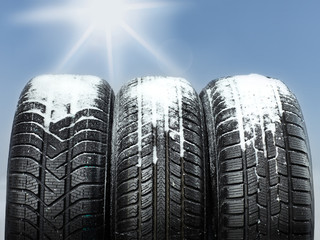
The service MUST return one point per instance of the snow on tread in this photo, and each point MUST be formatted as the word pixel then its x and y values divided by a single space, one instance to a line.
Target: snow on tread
pixel 164 123
pixel 261 180
pixel 56 170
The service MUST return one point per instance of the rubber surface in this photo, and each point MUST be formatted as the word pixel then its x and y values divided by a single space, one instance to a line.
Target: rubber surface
pixel 58 158
pixel 159 170
pixel 260 165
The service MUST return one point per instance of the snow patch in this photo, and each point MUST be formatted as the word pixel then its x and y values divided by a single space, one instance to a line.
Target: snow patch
pixel 173 135
pixel 63 95
pixel 257 98
pixel 161 93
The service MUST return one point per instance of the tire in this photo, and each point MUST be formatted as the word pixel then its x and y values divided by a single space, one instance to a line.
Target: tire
pixel 260 165
pixel 158 163
pixel 59 156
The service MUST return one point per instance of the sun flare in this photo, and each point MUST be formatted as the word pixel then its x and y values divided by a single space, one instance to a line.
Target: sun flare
pixel 104 15
pixel 98 18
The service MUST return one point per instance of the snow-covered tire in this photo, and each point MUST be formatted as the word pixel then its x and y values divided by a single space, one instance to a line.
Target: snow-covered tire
pixel 260 164
pixel 158 165
pixel 60 145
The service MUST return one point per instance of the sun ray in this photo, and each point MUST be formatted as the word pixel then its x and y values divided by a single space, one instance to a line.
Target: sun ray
pixel 170 65
pixel 76 47
pixel 109 55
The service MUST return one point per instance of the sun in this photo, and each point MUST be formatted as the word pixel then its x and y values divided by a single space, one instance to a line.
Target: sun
pixel 98 17
pixel 104 15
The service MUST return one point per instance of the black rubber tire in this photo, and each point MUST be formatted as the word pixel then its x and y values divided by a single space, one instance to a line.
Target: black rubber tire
pixel 158 165
pixel 260 164
pixel 59 156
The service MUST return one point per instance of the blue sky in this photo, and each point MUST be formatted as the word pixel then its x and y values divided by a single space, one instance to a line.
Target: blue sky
pixel 198 40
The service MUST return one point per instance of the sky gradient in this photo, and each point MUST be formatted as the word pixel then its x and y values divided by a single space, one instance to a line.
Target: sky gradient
pixel 198 40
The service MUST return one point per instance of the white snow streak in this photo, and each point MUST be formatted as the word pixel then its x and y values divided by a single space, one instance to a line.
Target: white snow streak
pixel 239 116
pixel 139 122
pixel 209 94
pixel 155 157
pixel 162 93
pixel 278 100
pixel 63 95
pixel 154 125
pixel 283 89
pixel 180 123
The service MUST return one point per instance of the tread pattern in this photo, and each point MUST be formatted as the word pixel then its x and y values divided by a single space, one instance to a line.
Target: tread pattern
pixel 261 177
pixel 56 176
pixel 159 170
